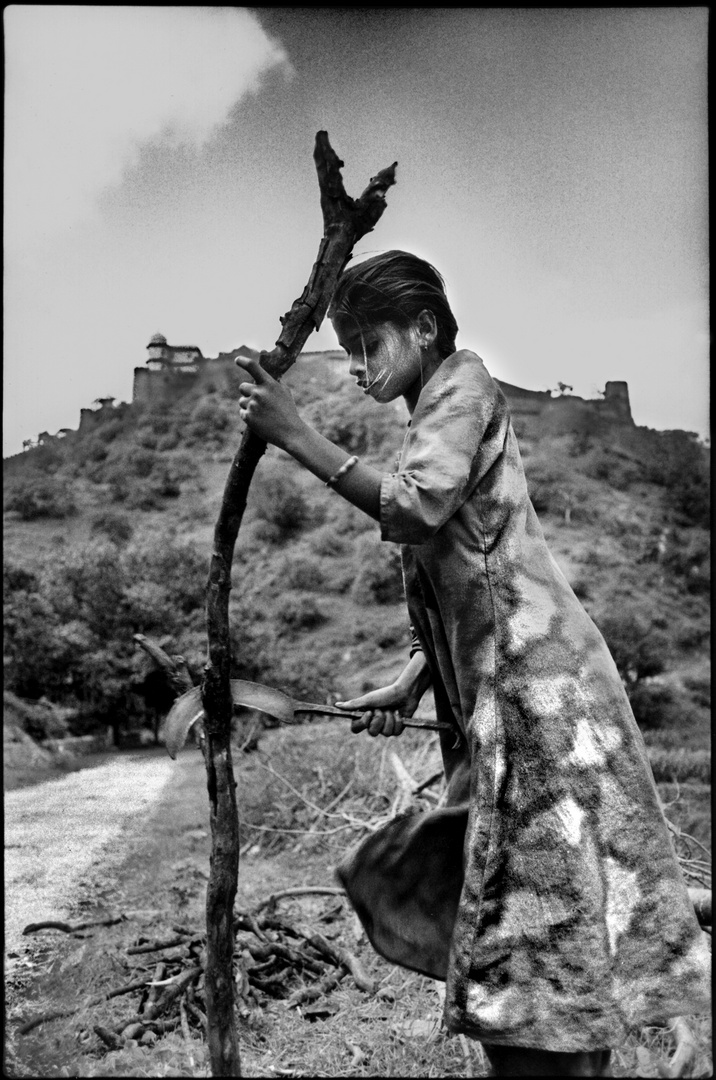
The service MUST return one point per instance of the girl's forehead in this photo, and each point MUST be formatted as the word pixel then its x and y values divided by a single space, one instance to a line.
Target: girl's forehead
pixel 347 324
pixel 348 329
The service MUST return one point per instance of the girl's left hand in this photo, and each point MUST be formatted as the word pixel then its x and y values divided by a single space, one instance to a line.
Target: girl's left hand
pixel 385 709
pixel 266 406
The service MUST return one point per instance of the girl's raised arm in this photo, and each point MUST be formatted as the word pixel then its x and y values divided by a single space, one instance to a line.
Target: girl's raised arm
pixel 270 411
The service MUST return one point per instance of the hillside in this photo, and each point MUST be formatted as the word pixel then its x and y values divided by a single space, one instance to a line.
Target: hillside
pixel 108 533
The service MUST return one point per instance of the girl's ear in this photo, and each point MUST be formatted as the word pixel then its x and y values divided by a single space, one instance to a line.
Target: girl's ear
pixel 427 327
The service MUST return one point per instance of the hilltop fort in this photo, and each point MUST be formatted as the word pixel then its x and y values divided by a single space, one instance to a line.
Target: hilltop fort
pixel 171 370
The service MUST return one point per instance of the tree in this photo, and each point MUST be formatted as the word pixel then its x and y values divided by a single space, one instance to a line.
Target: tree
pixel 638 644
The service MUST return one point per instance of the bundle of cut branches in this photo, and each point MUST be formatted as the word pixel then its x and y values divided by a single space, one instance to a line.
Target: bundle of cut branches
pixel 274 957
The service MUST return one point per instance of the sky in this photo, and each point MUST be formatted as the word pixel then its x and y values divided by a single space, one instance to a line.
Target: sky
pixel 159 177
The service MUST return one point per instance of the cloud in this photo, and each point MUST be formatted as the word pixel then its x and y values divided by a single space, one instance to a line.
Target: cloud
pixel 87 86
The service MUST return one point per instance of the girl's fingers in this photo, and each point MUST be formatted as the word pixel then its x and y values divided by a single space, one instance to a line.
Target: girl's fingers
pixel 254 369
pixel 389 725
pixel 376 722
pixel 359 724
pixel 393 724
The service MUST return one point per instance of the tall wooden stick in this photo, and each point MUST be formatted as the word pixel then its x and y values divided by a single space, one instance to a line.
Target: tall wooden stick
pixel 345 220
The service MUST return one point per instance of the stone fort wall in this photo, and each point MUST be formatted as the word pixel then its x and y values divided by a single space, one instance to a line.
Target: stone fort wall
pixel 533 411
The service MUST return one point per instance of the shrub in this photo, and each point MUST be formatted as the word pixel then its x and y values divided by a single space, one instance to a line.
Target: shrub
pixel 148 606
pixel 18 579
pixel 635 639
pixel 41 497
pixel 348 521
pixel 301 611
pixel 144 477
pixel 680 765
pixel 165 484
pixel 680 463
pixel 544 484
pixel 699 687
pixel 328 542
pixel 159 423
pixel 168 441
pixel 616 472
pixel 39 647
pixel 278 500
pixel 209 419
pixel 261 532
pixel 692 635
pixel 94 449
pixel 302 572
pixel 178 566
pixel 384 629
pixel 109 431
pixel 140 461
pixel 114 525
pixel 68 633
pixel 691 560
pixel 338 420
pixel 147 438
pixel 42 720
pixel 657 706
pixel 171 470
pixel 182 465
pixel 378 578
pixel 141 495
pixel 306 674
pixel 552 491
pixel 582 588
pixel 46 456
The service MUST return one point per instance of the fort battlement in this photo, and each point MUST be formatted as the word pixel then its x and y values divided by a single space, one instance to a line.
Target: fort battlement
pixel 172 370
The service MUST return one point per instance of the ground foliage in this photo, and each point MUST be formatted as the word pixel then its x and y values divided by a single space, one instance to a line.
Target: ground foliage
pixel 306 796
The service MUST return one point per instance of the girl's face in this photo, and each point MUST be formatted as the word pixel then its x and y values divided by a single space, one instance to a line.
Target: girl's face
pixel 386 360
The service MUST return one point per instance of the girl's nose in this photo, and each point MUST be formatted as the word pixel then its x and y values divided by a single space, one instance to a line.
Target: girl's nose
pixel 355 367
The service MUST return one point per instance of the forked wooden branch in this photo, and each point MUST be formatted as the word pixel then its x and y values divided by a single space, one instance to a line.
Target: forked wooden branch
pixel 345 220
pixel 175 667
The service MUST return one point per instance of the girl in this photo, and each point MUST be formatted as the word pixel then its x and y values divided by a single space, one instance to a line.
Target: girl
pixel 546 893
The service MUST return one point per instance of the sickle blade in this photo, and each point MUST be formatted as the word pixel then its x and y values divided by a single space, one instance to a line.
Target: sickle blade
pixel 182 716
pixel 264 698
pixel 188 709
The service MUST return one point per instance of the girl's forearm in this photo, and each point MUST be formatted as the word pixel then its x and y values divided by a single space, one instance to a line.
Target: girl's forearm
pixel 416 676
pixel 360 485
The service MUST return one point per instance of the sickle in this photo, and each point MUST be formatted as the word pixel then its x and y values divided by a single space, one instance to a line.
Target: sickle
pixel 187 710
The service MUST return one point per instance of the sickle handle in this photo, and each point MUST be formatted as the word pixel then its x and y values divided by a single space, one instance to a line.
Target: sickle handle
pixel 408 721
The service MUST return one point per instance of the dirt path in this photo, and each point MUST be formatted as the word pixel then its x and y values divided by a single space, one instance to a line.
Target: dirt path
pixel 57 831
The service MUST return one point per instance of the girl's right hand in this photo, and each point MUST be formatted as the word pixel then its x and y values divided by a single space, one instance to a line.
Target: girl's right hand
pixel 383 710
pixel 267 406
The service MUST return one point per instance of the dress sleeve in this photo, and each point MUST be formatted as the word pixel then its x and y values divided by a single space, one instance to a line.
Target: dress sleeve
pixel 457 433
pixel 415 645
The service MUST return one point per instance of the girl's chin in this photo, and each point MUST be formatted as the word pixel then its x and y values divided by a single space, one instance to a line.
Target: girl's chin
pixel 382 394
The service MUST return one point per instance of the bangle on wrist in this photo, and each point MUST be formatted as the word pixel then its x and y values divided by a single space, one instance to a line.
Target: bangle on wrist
pixel 345 467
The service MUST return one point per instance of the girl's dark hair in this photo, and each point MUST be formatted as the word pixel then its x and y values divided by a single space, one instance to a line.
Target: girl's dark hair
pixel 395 287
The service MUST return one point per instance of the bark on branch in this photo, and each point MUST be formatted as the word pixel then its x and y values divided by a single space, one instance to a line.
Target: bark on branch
pixel 175 667
pixel 345 220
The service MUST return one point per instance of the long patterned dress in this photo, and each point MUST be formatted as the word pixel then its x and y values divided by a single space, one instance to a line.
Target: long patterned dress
pixel 547 892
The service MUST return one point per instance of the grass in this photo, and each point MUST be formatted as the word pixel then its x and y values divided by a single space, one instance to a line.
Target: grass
pixel 305 797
